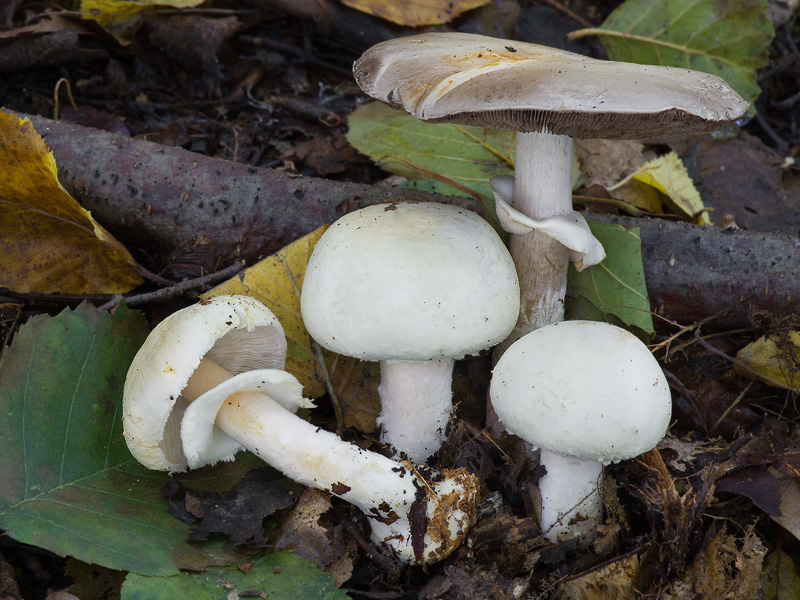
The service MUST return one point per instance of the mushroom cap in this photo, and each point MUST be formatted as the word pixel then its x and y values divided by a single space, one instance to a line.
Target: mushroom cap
pixel 411 282
pixel 477 80
pixel 237 332
pixel 583 389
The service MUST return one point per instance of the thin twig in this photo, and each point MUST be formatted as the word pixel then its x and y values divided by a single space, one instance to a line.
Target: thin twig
pixel 570 13
pixel 111 300
pixel 736 362
pixel 732 406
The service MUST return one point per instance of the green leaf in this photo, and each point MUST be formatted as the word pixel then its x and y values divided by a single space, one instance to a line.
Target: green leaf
pixel 615 290
pixel 67 480
pixel 277 576
pixel 467 155
pixel 728 39
pixel 780 579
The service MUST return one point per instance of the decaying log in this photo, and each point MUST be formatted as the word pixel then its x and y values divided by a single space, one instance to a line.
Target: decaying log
pixel 201 213
pixel 693 272
pixel 197 213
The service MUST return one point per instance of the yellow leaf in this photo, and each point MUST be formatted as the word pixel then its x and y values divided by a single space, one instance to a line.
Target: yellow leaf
pixel 662 185
pixel 48 243
pixel 774 360
pixel 415 13
pixel 107 11
pixel 276 282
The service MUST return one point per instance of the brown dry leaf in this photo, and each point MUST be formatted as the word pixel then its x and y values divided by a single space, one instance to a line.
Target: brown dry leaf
pixel 781 578
pixel 415 13
pixel 616 580
pixel 605 162
pixel 48 242
pixel 304 533
pixel 720 570
pixel 276 282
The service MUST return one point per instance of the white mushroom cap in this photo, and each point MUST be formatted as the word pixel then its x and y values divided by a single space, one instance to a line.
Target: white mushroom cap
pixel 411 282
pixel 583 389
pixel 237 332
pixel 488 82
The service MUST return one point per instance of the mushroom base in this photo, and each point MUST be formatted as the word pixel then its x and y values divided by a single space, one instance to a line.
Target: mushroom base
pixel 571 502
pixel 416 402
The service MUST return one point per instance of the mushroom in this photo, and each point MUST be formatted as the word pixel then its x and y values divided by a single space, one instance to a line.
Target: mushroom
pixel 547 96
pixel 587 394
pixel 414 286
pixel 208 382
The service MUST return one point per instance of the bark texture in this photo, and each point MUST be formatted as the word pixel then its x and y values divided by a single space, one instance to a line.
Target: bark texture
pixel 201 213
pixel 198 213
pixel 693 272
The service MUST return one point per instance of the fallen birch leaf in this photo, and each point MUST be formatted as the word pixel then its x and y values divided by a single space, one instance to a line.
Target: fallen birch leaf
pixel 415 13
pixel 276 282
pixel 773 360
pixel 48 243
pixel 663 185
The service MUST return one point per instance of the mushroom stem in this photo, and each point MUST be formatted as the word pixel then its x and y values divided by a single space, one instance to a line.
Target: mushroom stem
pixel 571 503
pixel 422 519
pixel 416 402
pixel 542 189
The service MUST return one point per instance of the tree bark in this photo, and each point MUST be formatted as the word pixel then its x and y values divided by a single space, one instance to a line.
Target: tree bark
pixel 193 213
pixel 202 213
pixel 693 272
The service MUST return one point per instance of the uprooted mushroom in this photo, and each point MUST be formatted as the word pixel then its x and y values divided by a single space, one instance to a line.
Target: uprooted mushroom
pixel 209 381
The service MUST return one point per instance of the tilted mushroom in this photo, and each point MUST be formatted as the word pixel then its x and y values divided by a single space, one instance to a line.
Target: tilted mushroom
pixel 586 394
pixel 547 96
pixel 414 286
pixel 208 382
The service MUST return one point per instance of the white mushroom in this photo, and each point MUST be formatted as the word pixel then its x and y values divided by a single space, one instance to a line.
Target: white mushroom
pixel 547 96
pixel 587 394
pixel 208 381
pixel 414 286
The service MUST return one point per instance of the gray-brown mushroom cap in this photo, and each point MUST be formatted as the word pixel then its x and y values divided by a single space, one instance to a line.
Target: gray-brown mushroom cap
pixel 483 81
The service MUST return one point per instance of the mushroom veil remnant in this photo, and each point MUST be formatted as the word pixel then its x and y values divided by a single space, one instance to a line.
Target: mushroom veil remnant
pixel 548 97
pixel 414 286
pixel 586 394
pixel 209 381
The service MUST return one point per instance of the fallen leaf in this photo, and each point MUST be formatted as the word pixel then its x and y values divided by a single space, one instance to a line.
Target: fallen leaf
pixel 618 579
pixel 238 513
pixel 275 575
pixel 48 243
pixel 108 11
pixel 415 13
pixel 720 570
pixel 606 162
pixel 307 532
pixel 692 34
pixel 663 185
pixel 614 290
pixel 780 579
pixel 773 359
pixel 277 281
pixel 67 480
pixel 470 156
